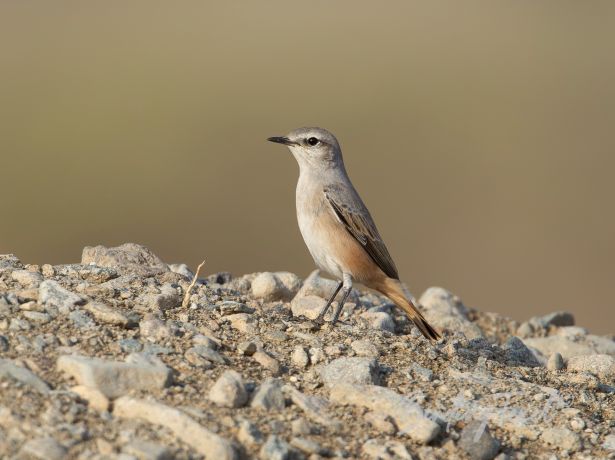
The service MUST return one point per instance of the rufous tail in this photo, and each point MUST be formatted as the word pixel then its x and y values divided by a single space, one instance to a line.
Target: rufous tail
pixel 393 290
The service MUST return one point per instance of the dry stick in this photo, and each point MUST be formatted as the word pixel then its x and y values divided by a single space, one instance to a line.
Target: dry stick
pixel 186 300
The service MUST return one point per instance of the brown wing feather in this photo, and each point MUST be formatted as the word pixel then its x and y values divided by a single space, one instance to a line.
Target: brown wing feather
pixel 360 225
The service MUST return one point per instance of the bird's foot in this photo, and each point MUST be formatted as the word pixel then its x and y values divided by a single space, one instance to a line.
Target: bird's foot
pixel 320 321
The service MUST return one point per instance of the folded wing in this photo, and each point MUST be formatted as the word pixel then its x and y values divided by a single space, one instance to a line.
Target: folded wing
pixel 359 223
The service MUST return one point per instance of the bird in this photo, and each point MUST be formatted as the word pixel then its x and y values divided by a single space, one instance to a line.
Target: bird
pixel 337 227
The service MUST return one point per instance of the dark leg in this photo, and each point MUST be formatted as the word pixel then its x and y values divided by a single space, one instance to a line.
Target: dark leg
pixel 321 315
pixel 338 310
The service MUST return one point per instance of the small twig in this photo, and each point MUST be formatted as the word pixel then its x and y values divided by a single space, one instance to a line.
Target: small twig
pixel 186 300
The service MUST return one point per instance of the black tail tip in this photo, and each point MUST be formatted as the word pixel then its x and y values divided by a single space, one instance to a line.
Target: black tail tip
pixel 427 331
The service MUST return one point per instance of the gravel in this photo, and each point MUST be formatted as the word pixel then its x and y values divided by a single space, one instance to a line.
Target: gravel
pixel 100 360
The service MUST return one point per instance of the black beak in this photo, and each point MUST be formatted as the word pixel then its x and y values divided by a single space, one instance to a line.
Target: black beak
pixel 281 140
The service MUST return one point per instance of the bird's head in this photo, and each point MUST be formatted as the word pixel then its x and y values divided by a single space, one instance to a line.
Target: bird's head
pixel 313 148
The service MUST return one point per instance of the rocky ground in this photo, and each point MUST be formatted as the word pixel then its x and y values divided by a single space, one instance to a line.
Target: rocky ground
pixel 105 360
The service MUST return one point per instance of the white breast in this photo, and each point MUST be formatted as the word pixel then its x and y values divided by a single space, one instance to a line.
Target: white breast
pixel 311 209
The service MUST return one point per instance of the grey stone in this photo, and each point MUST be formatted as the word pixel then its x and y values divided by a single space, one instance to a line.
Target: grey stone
pixel 81 320
pixel 601 345
pixel 381 422
pixel 43 449
pixel 388 450
pixel 308 446
pixel 167 299
pixel 276 449
pixel 5 306
pixel 408 416
pixel 205 442
pixel 561 438
pixel 446 311
pixel 127 258
pixel 609 443
pixel 600 365
pixel 503 456
pixel 43 341
pixel 268 362
pixel 522 416
pixel 18 324
pixel 50 293
pixel 206 341
pixel 269 396
pixel 350 370
pixel 9 262
pixel 146 450
pixel 301 427
pixel 379 320
pixel 477 442
pixel 207 353
pixel 96 400
pixel 37 317
pixel 9 299
pixel 130 345
pixel 555 362
pixel 27 278
pixel 275 286
pixel 95 274
pixel 198 361
pixel 154 329
pixel 275 336
pixel 315 407
pixel 249 434
pixel 543 347
pixel 4 343
pixel 291 282
pixel 230 307
pixel 517 353
pixel 229 390
pixel 577 424
pixel 154 349
pixel 299 357
pixel 525 330
pixel 317 355
pixel 309 306
pixel 90 273
pixel 334 350
pixel 114 378
pixel 105 314
pixel 239 284
pixel 546 346
pixel 183 270
pixel 247 348
pixel 243 322
pixel 8 369
pixel 421 373
pixel 364 348
pixel 572 332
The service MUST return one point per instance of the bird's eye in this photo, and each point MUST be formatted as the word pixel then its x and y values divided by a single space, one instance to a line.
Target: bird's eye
pixel 312 141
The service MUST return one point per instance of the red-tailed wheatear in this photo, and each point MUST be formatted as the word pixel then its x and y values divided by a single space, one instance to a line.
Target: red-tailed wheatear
pixel 337 227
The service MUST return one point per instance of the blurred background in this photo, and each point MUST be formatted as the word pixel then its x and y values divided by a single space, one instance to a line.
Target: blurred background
pixel 480 134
